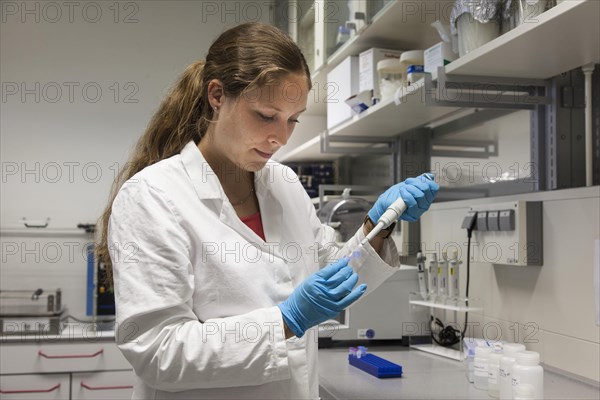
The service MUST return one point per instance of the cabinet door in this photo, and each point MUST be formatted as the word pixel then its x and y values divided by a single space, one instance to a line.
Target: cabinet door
pixel 54 357
pixel 33 387
pixel 102 385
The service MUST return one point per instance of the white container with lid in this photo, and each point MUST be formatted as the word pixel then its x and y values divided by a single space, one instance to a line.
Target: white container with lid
pixel 528 371
pixel 409 59
pixel 480 367
pixel 506 365
pixel 493 373
pixel 390 78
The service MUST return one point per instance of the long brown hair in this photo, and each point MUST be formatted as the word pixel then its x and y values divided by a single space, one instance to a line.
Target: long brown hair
pixel 244 57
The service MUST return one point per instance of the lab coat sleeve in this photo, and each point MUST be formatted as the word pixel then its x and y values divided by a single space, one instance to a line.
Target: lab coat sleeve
pixel 372 268
pixel 157 330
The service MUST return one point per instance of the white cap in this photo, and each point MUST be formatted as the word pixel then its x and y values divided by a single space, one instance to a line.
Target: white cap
pixel 389 65
pixel 413 57
pixel 513 348
pixel 528 358
pixel 482 351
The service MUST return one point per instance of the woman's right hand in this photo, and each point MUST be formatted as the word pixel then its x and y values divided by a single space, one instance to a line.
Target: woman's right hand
pixel 321 296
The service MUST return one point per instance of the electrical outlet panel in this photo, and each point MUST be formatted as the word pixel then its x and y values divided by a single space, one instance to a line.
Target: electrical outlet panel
pixel 508 233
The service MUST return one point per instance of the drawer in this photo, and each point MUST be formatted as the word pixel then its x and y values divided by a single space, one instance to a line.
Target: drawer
pixel 102 385
pixel 55 357
pixel 33 387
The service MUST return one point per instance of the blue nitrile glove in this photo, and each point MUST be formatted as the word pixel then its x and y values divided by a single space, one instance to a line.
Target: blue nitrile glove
pixel 418 194
pixel 321 296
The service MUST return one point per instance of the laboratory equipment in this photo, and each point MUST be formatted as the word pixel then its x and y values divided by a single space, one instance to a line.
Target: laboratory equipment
pixel 390 215
pixel 507 362
pixel 390 78
pixel 432 275
pixel 476 22
pixel 528 371
pixel 344 214
pixel 443 275
pixel 453 281
pixel 372 364
pixel 421 274
pixel 511 234
pixel 409 60
pixel 493 373
pixel 480 367
pixel 517 12
pixel 30 312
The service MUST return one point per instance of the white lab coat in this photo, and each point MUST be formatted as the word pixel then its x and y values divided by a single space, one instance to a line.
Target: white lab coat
pixel 197 290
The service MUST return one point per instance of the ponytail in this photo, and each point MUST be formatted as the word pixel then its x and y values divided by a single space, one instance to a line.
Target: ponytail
pixel 181 117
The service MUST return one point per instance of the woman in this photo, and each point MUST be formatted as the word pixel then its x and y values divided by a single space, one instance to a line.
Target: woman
pixel 216 250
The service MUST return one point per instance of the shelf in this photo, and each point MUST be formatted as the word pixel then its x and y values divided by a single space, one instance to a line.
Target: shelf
pixel 384 120
pixel 446 303
pixel 401 24
pixel 565 37
pixel 439 350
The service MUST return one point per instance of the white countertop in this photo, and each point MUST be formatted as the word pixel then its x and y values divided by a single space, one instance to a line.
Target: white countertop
pixel 424 376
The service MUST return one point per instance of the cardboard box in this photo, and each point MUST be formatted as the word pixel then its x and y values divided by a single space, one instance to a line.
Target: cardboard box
pixel 368 59
pixel 342 82
pixel 439 55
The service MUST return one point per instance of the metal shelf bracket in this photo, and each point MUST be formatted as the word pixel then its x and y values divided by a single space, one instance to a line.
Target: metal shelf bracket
pixel 485 92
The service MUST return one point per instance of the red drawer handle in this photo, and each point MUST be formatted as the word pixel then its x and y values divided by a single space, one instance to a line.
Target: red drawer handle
pixel 88 387
pixel 52 389
pixel 42 354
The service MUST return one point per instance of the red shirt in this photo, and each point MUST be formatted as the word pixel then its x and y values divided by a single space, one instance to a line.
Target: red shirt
pixel 254 222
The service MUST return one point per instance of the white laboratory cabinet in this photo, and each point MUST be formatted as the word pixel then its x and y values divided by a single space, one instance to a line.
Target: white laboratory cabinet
pixel 52 369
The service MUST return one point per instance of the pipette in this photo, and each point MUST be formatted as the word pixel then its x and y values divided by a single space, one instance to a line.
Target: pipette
pixel 390 215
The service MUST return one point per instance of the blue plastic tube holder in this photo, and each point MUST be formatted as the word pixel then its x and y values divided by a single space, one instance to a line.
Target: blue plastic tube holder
pixel 376 366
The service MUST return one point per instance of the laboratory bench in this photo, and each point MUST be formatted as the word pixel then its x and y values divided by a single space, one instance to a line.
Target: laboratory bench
pixel 424 376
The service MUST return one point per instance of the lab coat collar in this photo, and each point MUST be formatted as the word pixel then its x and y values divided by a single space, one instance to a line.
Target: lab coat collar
pixel 207 186
pixel 203 177
pixel 205 180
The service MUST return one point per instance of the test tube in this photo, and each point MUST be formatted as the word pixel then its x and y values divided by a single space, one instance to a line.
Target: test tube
pixel 432 272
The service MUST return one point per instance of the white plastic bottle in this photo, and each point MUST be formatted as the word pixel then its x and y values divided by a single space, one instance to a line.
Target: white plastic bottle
pixel 528 371
pixel 493 374
pixel 506 365
pixel 524 392
pixel 480 367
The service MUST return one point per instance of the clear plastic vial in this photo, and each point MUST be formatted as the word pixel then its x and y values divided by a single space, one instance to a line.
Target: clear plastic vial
pixel 528 371
pixel 480 367
pixel 506 365
pixel 493 374
pixel 469 365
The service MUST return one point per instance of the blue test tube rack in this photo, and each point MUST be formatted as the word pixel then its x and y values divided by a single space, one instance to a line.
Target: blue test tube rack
pixel 374 365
